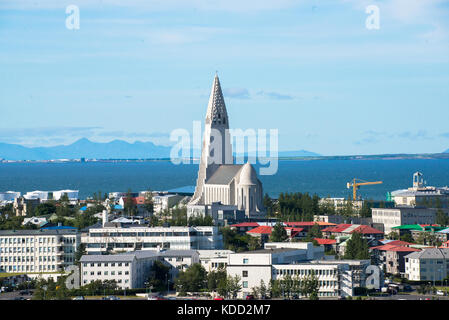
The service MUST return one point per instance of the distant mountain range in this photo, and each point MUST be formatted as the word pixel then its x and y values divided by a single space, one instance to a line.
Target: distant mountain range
pixel 84 148
pixel 116 149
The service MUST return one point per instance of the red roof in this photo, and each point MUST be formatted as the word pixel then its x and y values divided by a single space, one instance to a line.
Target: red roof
pixel 325 241
pixel 366 230
pixel 338 228
pixel 389 247
pixel 136 200
pixel 363 229
pixel 261 230
pixel 399 243
pixel 294 229
pixel 246 224
pixel 308 223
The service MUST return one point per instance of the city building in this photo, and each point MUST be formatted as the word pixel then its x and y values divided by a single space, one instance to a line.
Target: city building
pixel 391 256
pixel 219 179
pixel 421 195
pixel 129 270
pixel 165 202
pixel 179 260
pixel 335 277
pixel 25 207
pixel 348 229
pixel 430 264
pixel 115 237
pixel 212 260
pixel 394 217
pixel 9 196
pixel 43 250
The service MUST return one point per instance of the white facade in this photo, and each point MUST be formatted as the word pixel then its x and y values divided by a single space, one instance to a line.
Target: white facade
pixel 37 250
pixel 116 237
pixel 335 278
pixel 54 195
pixel 165 202
pixel 393 217
pixel 129 270
pixel 427 265
pixel 212 260
pixel 9 195
pixel 219 179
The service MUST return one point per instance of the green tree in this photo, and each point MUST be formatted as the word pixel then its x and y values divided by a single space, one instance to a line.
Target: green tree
pixel 229 287
pixel 158 276
pixel 194 279
pixel 80 251
pixel 357 247
pixel 148 203
pixel 441 218
pixel 314 232
pixel 214 278
pixel 309 286
pixel 129 206
pixel 45 208
pixel 278 233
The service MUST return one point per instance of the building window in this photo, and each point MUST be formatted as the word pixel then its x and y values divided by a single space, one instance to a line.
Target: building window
pixel 244 273
pixel 245 261
pixel 245 284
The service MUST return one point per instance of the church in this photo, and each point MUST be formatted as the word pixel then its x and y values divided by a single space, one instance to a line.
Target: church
pixel 224 190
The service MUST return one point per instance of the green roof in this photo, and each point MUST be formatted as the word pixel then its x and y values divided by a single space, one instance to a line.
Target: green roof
pixel 418 227
pixel 409 227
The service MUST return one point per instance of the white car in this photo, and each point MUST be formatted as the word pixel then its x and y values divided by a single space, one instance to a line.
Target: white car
pixel 440 293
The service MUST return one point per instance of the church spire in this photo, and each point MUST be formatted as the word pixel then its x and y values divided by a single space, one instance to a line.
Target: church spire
pixel 217 148
pixel 216 108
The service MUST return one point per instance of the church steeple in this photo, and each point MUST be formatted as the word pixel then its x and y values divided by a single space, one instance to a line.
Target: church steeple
pixel 217 147
pixel 216 108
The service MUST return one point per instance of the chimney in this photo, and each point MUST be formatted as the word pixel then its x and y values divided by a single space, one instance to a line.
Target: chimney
pixel 105 217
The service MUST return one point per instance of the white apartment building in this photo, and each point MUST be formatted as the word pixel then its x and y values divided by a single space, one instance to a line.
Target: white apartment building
pixel 427 265
pixel 53 195
pixel 165 202
pixel 8 196
pixel 336 278
pixel 128 270
pixel 179 260
pixel 115 237
pixel 43 250
pixel 212 260
pixel 394 217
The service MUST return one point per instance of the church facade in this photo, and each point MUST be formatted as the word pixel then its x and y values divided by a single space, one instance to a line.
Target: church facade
pixel 224 190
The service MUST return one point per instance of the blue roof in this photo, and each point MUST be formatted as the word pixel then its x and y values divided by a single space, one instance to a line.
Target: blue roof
pixel 59 228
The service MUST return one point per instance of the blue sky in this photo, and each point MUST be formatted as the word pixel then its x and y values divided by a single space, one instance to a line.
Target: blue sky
pixel 136 70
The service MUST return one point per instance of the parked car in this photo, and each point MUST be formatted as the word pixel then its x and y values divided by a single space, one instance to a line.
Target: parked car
pixel 19 298
pixel 440 293
pixel 112 298
pixel 79 298
pixel 218 298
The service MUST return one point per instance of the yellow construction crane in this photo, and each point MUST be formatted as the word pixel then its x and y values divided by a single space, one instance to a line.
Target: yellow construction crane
pixel 355 186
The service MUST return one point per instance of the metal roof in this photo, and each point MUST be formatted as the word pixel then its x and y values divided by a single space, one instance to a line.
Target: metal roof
pixel 224 174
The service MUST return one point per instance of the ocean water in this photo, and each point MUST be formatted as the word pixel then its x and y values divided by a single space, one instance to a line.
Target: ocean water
pixel 323 177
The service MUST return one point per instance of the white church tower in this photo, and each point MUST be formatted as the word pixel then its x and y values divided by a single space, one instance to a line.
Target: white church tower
pixel 223 186
pixel 217 147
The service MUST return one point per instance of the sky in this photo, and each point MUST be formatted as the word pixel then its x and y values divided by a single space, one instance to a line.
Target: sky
pixel 137 70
